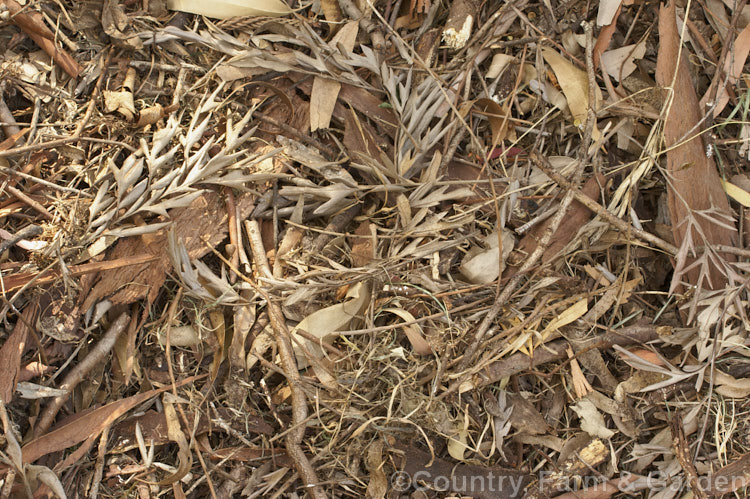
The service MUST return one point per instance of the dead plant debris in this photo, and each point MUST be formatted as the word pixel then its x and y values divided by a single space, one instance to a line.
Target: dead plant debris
pixel 386 248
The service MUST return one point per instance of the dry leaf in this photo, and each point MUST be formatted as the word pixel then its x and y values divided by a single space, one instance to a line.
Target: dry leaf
pixel 483 266
pixel 729 386
pixel 575 85
pixel 121 102
pixel 737 193
pixel 378 486
pixel 497 115
pixel 457 443
pixel 325 91
pixel 607 10
pixel 694 183
pixel 413 332
pixel 592 422
pixel 619 62
pixel 324 323
pixel 734 63
pixel 570 314
pixel 224 9
pixel 498 64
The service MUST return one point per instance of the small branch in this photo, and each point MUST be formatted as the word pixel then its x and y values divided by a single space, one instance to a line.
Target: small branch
pixel 25 233
pixel 80 371
pixel 556 350
pixel 377 38
pixel 289 364
pixel 33 204
pixel 600 210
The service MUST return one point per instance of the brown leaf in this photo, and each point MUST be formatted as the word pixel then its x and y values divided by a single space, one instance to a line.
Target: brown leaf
pixel 89 424
pixel 577 215
pixel 12 351
pixel 204 219
pixel 325 91
pixel 361 253
pixel 693 181
pixel 468 478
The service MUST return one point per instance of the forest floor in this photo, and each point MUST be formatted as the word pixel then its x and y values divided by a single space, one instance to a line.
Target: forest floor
pixel 386 249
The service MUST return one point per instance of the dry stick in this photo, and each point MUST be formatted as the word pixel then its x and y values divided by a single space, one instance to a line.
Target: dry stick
pixel 25 233
pixel 46 183
pixel 79 372
pixel 377 38
pixel 289 364
pixel 100 459
pixel 233 247
pixel 556 350
pixel 26 199
pixel 600 210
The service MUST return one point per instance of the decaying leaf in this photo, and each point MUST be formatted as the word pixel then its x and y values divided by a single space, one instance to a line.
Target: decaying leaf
pixel 575 85
pixel 325 91
pixel 592 421
pixel 457 446
pixel 693 181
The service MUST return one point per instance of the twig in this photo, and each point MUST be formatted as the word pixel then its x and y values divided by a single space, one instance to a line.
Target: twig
pixel 600 210
pixel 79 372
pixel 556 350
pixel 289 364
pixel 258 249
pixel 10 171
pixel 100 460
pixel 25 233
pixel 26 199
pixel 377 38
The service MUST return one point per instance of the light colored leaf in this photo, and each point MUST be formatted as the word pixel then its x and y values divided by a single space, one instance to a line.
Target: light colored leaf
pixel 737 193
pixel 413 332
pixel 32 391
pixel 592 422
pixel 324 323
pixel 46 476
pixel 224 9
pixel 498 64
pixel 483 266
pixel 325 91
pixel 606 12
pixel 619 62
pixel 575 85
pixel 729 386
pixel 570 314
pixel 457 443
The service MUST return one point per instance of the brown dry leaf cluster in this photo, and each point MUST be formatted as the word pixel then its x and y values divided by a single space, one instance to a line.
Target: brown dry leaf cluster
pixel 374 248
